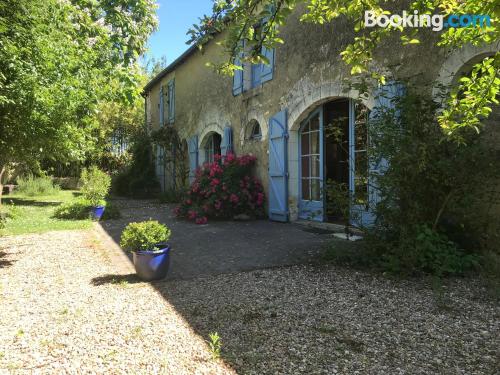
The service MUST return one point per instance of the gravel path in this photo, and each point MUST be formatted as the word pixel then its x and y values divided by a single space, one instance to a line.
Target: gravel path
pixel 325 320
pixel 55 320
pixel 67 307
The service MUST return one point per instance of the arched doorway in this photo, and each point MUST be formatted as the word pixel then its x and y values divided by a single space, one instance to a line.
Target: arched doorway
pixel 333 143
pixel 211 146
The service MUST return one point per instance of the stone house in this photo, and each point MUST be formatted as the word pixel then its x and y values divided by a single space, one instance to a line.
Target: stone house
pixel 279 112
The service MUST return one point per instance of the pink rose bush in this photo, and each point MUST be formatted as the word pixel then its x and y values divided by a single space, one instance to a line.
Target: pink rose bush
pixel 223 189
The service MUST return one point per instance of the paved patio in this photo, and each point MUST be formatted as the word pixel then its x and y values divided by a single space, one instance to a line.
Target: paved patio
pixel 203 249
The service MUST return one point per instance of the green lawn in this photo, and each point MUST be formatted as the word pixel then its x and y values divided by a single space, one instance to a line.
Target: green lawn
pixel 35 214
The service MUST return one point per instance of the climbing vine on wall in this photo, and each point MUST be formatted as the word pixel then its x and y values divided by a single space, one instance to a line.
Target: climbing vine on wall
pixel 175 153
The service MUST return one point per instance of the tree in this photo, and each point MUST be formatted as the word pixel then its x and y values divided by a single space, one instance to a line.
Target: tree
pixel 56 61
pixel 468 103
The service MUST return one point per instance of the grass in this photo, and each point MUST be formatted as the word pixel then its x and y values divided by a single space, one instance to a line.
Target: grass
pixel 35 214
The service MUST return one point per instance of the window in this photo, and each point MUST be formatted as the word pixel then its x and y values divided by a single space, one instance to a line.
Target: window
pixel 212 147
pixel 310 159
pixel 254 131
pixel 360 154
pixel 252 75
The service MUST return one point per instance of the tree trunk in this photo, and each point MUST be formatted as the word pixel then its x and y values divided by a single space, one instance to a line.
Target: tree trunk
pixel 2 171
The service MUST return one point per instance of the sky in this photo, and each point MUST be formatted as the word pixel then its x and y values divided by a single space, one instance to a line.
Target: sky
pixel 175 18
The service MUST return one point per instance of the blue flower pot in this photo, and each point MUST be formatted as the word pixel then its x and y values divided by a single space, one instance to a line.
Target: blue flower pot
pixel 97 212
pixel 152 265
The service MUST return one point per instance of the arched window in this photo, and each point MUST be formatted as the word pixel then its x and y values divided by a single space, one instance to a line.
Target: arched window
pixel 253 130
pixel 212 147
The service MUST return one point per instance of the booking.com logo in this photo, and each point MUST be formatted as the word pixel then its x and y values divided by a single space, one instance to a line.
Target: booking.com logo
pixel 435 21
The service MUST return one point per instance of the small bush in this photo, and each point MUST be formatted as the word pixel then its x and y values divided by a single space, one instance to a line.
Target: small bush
pixel 145 235
pixel 111 212
pixel 76 210
pixel 35 186
pixel 223 189
pixel 80 210
pixel 95 186
pixel 421 250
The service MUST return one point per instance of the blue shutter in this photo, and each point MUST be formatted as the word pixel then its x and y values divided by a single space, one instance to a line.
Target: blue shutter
pixel 171 102
pixel 267 70
pixel 384 101
pixel 238 74
pixel 162 108
pixel 226 145
pixel 278 167
pixel 256 74
pixel 193 157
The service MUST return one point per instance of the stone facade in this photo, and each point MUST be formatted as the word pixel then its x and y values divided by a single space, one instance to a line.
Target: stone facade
pixel 308 71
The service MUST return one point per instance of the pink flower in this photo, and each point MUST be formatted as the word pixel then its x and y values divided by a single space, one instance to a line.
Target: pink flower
pixel 234 198
pixel 215 182
pixel 218 205
pixel 177 211
pixel 201 220
pixel 192 214
pixel 260 199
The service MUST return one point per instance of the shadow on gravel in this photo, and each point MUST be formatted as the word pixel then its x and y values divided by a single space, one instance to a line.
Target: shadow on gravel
pixel 222 246
pixel 4 262
pixel 246 309
pixel 116 280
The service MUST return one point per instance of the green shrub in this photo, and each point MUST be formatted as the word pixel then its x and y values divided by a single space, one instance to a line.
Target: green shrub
pixel 36 186
pixel 144 236
pixel 111 212
pixel 428 251
pixel 95 185
pixel 429 191
pixel 80 210
pixel 76 210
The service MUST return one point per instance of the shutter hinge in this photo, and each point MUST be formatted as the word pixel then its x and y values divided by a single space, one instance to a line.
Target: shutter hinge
pixel 287 136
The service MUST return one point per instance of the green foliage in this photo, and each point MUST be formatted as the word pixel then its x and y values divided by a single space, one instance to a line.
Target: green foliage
pixel 112 212
pixel 75 210
pixel 146 235
pixel 138 180
pixel 215 345
pixel 471 101
pixel 170 196
pixel 425 250
pixel 57 60
pixel 34 186
pixel 79 209
pixel 174 153
pixel 95 185
pixel 239 19
pixel 428 192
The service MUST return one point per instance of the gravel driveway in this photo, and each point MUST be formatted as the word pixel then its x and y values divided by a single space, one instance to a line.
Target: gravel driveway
pixel 55 319
pixel 68 307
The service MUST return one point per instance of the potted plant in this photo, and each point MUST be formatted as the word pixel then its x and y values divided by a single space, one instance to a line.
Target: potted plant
pixel 95 187
pixel 147 241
